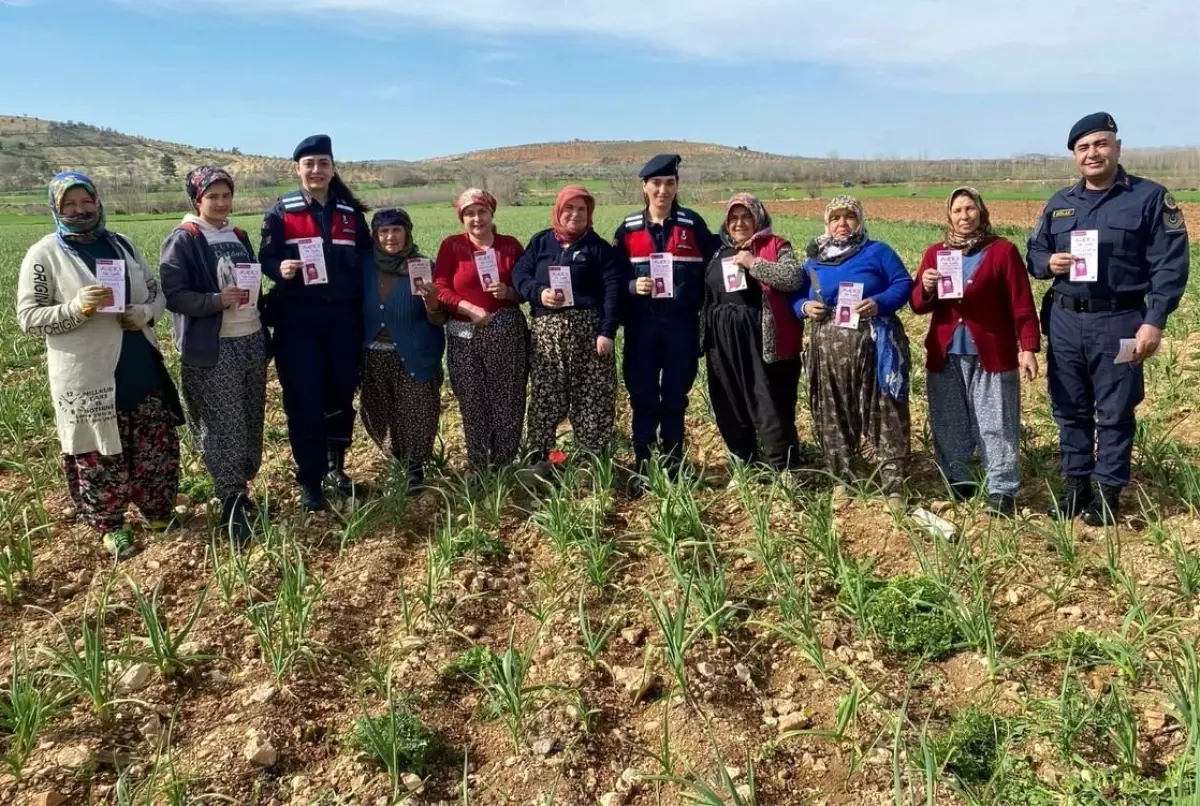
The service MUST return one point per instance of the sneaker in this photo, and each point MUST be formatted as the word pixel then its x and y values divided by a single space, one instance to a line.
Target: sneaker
pixel 1004 506
pixel 1074 498
pixel 541 472
pixel 1105 507
pixel 119 543
pixel 963 490
pixel 337 472
pixel 312 498
pixel 235 520
pixel 415 478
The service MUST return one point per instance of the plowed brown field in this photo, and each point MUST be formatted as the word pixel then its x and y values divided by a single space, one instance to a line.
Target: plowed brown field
pixel 1007 213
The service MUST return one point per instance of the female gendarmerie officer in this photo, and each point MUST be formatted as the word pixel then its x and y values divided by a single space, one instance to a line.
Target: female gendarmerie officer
pixel 662 325
pixel 312 240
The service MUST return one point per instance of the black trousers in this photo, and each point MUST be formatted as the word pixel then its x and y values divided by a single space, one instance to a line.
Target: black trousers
pixel 754 402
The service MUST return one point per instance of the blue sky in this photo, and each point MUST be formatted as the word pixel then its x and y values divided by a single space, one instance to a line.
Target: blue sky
pixel 411 79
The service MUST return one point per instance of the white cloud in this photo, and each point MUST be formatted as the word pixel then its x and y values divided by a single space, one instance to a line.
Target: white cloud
pixel 1067 46
pixel 501 81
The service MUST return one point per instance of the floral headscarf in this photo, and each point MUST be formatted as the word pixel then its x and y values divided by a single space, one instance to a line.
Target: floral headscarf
pixel 82 228
pixel 982 236
pixel 474 196
pixel 828 249
pixel 570 193
pixel 762 219
pixel 200 179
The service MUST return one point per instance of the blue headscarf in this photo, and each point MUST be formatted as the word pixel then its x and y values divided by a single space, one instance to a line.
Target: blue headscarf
pixel 83 228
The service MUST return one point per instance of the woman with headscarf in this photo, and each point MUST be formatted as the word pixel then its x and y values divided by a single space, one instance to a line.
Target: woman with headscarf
pixel 313 240
pixel 571 278
pixel 983 337
pixel 402 365
pixel 751 337
pixel 488 338
pixel 221 341
pixel 858 374
pixel 91 294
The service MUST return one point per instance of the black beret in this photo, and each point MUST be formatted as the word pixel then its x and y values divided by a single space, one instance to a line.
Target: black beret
pixel 661 165
pixel 314 144
pixel 1090 124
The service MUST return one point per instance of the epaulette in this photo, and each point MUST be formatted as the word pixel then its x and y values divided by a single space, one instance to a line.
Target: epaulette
pixel 685 216
pixel 345 208
pixel 296 200
pixel 635 222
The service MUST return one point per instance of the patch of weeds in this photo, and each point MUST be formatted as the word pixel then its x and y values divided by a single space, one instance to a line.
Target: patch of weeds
pixel 972 744
pixel 198 489
pixel 912 616
pixel 398 741
pixel 469 665
pixel 1081 648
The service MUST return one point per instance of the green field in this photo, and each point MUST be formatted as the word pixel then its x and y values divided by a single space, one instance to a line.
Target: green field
pixel 711 643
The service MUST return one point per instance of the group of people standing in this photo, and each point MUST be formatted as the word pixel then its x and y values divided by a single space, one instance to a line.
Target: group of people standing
pixel 354 307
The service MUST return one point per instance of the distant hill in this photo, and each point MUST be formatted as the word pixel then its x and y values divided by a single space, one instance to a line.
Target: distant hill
pixel 608 152
pixel 31 149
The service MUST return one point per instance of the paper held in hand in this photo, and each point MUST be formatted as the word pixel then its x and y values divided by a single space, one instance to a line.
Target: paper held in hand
pixel 487 268
pixel 560 284
pixel 849 295
pixel 312 255
pixel 420 274
pixel 662 275
pixel 1126 353
pixel 249 281
pixel 735 275
pixel 111 275
pixel 1085 248
pixel 950 274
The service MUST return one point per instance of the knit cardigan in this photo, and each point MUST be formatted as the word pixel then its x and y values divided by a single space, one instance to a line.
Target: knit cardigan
pixel 82 351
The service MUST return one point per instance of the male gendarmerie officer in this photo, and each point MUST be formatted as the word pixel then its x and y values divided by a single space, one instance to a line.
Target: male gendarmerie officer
pixel 1141 274
pixel 317 318
pixel 662 330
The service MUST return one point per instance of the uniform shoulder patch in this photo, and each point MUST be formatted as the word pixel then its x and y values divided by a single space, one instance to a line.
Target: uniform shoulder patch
pixel 1063 213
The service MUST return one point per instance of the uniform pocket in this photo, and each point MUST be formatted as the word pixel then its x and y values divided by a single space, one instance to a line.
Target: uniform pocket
pixel 1060 230
pixel 1124 233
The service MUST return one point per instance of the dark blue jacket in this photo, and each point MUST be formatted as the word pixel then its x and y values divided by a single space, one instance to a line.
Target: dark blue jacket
pixel 687 277
pixel 419 342
pixel 1143 243
pixel 595 275
pixel 345 233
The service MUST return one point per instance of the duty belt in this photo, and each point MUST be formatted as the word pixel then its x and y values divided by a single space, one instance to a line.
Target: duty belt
pixel 1123 302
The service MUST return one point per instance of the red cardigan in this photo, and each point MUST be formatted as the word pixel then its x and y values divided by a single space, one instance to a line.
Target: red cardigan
pixel 997 307
pixel 456 279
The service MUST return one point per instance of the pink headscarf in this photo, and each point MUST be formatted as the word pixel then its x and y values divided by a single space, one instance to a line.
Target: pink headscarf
pixel 568 194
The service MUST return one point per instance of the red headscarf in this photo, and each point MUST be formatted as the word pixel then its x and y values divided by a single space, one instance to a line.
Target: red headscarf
pixel 568 194
pixel 474 196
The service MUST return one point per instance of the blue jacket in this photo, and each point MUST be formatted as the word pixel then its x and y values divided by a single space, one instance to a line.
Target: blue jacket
pixel 876 266
pixel 419 342
pixel 345 233
pixel 1143 243
pixel 595 275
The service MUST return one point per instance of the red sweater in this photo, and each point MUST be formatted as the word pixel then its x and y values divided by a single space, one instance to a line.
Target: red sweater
pixel 457 281
pixel 997 307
